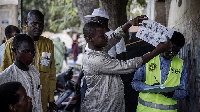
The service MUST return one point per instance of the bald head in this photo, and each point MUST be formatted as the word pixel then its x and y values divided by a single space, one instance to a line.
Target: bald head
pixel 35 13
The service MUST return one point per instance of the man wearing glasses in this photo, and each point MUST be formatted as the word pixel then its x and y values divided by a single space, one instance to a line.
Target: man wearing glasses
pixel 165 69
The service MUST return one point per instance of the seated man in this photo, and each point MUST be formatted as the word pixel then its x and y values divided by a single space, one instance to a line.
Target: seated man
pixel 13 98
pixel 166 69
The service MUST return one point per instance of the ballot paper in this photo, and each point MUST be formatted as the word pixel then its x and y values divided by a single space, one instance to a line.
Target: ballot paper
pixel 153 32
pixel 161 88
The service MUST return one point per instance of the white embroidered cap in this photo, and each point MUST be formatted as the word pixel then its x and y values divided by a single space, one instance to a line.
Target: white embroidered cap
pixel 98 12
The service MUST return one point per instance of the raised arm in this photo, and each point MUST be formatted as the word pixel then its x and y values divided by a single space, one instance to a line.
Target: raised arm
pixel 119 32
pixel 135 22
pixel 159 49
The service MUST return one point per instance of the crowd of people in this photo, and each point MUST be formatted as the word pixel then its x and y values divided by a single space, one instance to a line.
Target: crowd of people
pixel 28 69
pixel 37 51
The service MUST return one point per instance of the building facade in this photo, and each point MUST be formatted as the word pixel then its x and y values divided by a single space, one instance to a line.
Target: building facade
pixel 8 15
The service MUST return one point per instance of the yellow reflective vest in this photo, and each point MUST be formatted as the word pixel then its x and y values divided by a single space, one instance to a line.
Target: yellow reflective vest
pixel 44 61
pixel 155 102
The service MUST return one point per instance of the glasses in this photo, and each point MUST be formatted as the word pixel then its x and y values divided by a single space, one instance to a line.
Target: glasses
pixel 34 24
pixel 174 53
pixel 27 51
pixel 97 19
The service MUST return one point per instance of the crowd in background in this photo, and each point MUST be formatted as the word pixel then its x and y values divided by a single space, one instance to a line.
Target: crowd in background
pixel 109 74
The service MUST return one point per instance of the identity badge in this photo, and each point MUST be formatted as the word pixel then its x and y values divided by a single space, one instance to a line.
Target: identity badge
pixel 45 58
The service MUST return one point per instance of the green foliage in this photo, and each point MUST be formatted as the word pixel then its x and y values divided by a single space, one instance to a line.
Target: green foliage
pixel 59 14
pixel 100 4
pixel 64 15
pixel 142 2
pixel 136 5
pixel 128 7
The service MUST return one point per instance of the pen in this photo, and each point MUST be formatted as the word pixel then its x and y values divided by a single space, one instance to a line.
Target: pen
pixel 156 79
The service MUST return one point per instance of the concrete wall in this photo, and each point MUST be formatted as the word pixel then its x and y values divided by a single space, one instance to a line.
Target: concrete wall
pixel 8 16
pixel 6 2
pixel 156 11
pixel 160 15
pixel 184 16
pixel 150 9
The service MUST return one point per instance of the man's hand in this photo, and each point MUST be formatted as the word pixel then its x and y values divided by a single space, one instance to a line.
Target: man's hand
pixel 78 82
pixel 162 47
pixel 168 94
pixel 138 20
pixel 77 86
pixel 53 107
pixel 156 84
pixel 135 22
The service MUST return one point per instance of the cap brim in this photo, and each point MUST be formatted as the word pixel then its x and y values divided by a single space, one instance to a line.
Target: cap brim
pixel 88 17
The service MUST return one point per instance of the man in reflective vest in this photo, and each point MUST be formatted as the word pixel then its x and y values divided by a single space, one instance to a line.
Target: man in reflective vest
pixel 166 69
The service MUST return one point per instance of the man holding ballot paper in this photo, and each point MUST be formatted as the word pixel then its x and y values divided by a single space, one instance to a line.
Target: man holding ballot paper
pixel 163 80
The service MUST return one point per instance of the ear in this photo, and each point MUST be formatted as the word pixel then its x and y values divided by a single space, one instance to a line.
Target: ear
pixel 12 108
pixel 89 39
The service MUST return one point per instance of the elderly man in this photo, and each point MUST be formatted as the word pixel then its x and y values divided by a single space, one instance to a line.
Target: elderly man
pixel 44 57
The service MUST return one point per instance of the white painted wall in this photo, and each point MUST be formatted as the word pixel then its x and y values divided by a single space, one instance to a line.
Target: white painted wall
pixel 186 19
pixel 150 9
pixel 8 16
pixel 7 2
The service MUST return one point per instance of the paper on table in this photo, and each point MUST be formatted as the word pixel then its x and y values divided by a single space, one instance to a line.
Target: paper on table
pixel 161 88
